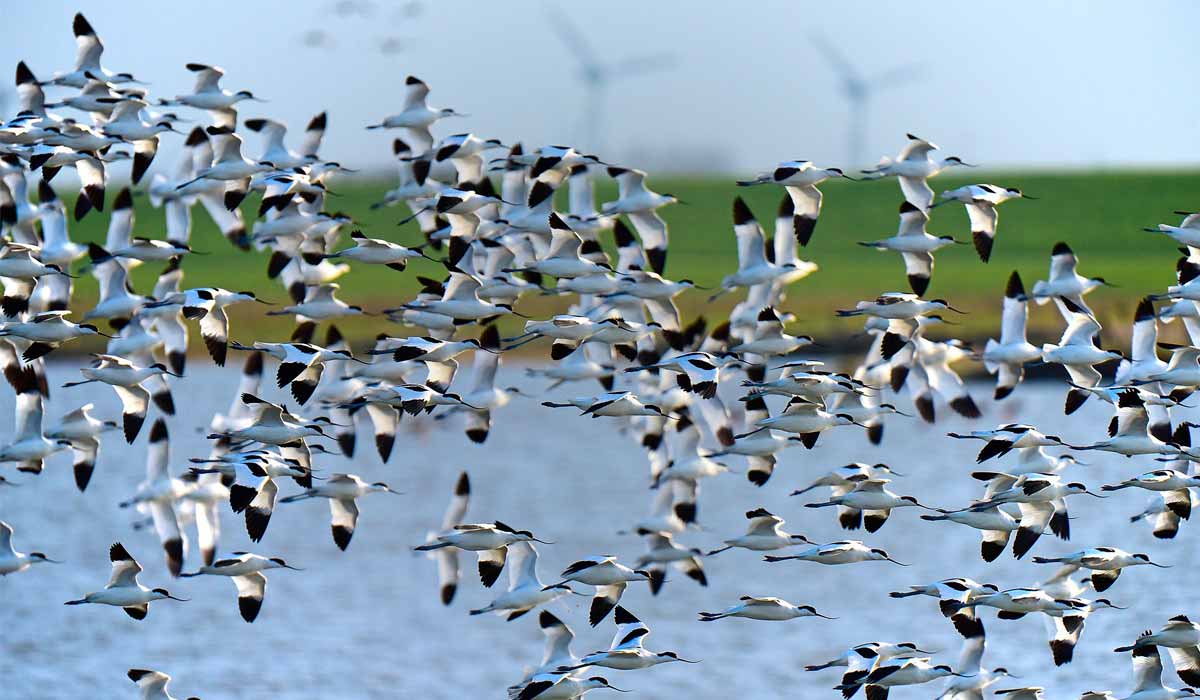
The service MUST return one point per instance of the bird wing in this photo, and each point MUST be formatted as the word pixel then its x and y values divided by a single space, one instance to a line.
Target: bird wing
pixel 630 633
pixel 764 525
pixel 915 149
pixel 415 92
pixel 6 532
pixel 1013 315
pixel 313 135
pixel 344 512
pixel 1132 419
pixel 460 287
pixel 208 528
pixel 912 222
pixel 252 585
pixel 944 380
pixel 457 509
pixel 208 78
pixel 523 572
pixel 1186 661
pixel 88 47
pixel 651 228
pixel 166 525
pixel 1062 265
pixel 917 191
pixel 1081 329
pixel 806 200
pixel 564 243
pixel 1147 669
pixel 124 573
pixel 751 252
pixel 1036 516
pixel 918 264
pixel 29 416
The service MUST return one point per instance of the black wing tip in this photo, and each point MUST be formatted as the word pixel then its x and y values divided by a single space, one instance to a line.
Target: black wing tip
pixel 621 616
pixel 117 552
pixel 158 431
pixel 1145 310
pixel 741 212
pixel 124 199
pixel 1014 289
pixel 81 26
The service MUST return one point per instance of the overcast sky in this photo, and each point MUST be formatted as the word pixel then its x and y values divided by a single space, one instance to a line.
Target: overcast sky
pixel 1041 83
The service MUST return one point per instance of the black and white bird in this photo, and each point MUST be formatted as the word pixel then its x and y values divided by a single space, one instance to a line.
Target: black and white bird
pixel 627 653
pixel 1007 357
pixel 1065 282
pixel 343 492
pixel 127 379
pixel 800 178
pixel 610 579
pixel 158 494
pixel 1105 563
pixel 152 684
pixel 915 245
pixel 123 590
pixel 913 167
pixel 770 609
pixel 845 552
pixel 12 561
pixel 490 541
pixel 981 202
pixel 246 572
pixel 1148 669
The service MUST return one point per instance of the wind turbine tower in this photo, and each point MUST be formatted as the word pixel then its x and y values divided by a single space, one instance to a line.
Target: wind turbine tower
pixel 859 91
pixel 597 75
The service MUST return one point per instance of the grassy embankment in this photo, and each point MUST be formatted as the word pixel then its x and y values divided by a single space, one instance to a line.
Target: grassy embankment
pixel 1099 214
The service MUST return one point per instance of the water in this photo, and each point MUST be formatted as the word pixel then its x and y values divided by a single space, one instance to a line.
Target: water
pixel 367 623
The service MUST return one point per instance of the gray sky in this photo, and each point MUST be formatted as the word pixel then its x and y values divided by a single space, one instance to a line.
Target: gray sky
pixel 1022 83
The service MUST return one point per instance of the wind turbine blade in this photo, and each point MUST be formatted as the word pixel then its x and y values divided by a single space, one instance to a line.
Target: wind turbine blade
pixel 572 38
pixel 641 64
pixel 836 58
pixel 899 75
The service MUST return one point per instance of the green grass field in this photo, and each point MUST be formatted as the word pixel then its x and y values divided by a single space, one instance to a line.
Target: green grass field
pixel 1100 214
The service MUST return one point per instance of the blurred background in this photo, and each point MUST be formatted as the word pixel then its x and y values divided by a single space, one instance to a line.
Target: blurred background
pixel 1083 104
pixel 691 87
pixel 1088 106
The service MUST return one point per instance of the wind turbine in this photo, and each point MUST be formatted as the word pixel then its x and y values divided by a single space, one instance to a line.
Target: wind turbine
pixel 597 75
pixel 858 90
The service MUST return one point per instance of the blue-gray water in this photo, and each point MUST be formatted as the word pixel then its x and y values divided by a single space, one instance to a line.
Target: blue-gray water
pixel 367 623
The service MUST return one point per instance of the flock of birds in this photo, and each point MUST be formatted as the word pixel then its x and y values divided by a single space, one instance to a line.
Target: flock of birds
pixel 688 394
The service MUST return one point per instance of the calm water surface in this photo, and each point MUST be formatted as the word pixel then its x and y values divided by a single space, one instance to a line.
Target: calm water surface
pixel 367 623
